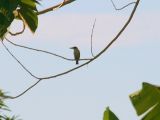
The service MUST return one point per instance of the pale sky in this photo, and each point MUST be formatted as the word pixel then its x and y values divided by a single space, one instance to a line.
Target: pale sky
pixel 85 93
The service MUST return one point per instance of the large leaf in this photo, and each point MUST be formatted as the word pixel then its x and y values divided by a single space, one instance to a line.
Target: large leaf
pixel 10 5
pixel 109 115
pixel 30 17
pixel 28 4
pixel 6 15
pixel 13 4
pixel 147 101
pixel 3 25
pixel 27 9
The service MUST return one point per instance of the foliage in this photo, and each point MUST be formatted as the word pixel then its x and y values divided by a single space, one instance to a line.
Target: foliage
pixel 8 118
pixel 109 115
pixel 147 101
pixel 25 10
pixel 6 14
pixel 4 107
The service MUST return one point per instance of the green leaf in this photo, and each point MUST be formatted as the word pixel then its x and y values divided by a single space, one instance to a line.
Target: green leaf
pixel 147 100
pixel 109 115
pixel 10 118
pixel 27 10
pixel 28 4
pixel 6 15
pixel 13 4
pixel 30 17
pixel 154 114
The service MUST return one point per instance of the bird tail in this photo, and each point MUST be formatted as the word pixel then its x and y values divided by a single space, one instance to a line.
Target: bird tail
pixel 77 62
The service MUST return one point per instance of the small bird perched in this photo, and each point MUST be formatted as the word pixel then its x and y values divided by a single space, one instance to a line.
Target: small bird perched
pixel 76 53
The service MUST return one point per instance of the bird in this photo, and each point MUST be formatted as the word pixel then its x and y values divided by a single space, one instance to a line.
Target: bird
pixel 76 54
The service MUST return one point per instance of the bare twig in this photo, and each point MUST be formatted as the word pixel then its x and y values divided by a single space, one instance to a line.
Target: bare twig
pixel 11 97
pixel 17 33
pixel 99 54
pixel 121 7
pixel 92 38
pixel 18 61
pixel 65 2
pixel 43 51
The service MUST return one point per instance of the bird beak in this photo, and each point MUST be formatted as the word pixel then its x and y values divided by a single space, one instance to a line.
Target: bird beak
pixel 71 47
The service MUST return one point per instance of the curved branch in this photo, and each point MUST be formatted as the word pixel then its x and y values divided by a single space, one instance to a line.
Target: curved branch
pixel 11 97
pixel 65 2
pixel 92 38
pixel 99 54
pixel 18 33
pixel 18 61
pixel 123 6
pixel 43 51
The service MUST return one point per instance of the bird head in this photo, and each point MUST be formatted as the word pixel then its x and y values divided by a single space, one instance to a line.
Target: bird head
pixel 73 47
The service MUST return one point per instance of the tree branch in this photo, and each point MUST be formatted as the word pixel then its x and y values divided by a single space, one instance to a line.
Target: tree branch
pixel 99 54
pixel 43 51
pixel 18 61
pixel 14 97
pixel 92 38
pixel 18 33
pixel 121 7
pixel 65 2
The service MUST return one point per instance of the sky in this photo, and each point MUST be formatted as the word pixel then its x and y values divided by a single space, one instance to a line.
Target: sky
pixel 85 93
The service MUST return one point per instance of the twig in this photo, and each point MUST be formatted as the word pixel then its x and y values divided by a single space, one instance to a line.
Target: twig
pixel 11 97
pixel 14 34
pixel 18 61
pixel 43 51
pixel 65 2
pixel 17 33
pixel 92 38
pixel 60 5
pixel 123 6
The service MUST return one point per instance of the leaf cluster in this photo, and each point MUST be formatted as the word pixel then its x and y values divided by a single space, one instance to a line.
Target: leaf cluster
pixel 145 101
pixel 4 107
pixel 24 10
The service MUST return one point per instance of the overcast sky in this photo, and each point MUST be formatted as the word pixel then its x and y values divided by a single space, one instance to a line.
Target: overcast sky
pixel 85 93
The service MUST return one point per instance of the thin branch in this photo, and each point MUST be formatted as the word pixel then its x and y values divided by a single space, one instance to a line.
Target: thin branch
pixel 92 38
pixel 121 7
pixel 18 33
pixel 18 61
pixel 99 54
pixel 43 51
pixel 65 2
pixel 11 97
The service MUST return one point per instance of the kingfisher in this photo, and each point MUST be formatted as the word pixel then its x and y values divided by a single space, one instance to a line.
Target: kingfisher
pixel 76 54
